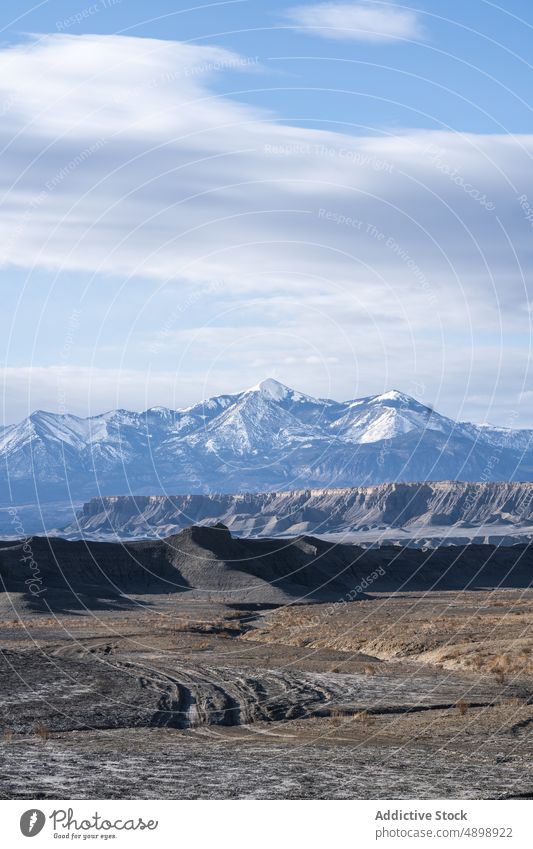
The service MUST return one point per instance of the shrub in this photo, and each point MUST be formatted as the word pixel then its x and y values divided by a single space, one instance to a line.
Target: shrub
pixel 42 731
pixel 499 675
pixel 364 717
pixel 336 716
pixel 462 706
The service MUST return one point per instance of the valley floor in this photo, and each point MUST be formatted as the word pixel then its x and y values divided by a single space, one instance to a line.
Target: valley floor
pixel 402 696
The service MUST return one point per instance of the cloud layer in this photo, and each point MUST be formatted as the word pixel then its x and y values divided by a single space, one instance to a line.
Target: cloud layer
pixel 384 256
pixel 366 21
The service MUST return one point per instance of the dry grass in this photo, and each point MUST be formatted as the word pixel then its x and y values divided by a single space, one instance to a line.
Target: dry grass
pixel 42 732
pixel 336 716
pixel 471 632
pixel 364 717
pixel 515 702
pixel 500 666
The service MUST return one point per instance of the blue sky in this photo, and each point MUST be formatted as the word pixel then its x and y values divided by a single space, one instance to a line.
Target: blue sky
pixel 338 195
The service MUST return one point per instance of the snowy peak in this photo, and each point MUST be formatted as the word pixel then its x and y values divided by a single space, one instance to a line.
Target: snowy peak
pixel 386 416
pixel 309 411
pixel 159 413
pixel 402 403
pixel 257 422
pixel 271 389
pixel 45 427
pixel 396 399
pixel 268 437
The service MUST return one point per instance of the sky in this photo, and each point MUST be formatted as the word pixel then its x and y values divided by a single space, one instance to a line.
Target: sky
pixel 195 197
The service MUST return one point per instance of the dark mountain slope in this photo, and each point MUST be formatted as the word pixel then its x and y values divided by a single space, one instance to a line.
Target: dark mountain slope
pixel 209 565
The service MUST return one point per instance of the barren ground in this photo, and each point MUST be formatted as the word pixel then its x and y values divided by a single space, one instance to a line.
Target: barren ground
pixel 402 696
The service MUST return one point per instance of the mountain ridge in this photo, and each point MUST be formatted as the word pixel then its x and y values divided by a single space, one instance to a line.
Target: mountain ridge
pixel 209 564
pixel 267 438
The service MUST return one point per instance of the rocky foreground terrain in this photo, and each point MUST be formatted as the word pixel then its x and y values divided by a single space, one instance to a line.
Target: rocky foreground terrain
pixel 418 513
pixel 118 680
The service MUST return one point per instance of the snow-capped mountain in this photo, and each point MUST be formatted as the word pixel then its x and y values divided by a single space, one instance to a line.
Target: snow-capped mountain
pixel 387 416
pixel 267 438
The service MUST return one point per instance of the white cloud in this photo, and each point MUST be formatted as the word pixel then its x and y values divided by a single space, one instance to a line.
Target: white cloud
pixel 364 21
pixel 457 384
pixel 86 390
pixel 119 160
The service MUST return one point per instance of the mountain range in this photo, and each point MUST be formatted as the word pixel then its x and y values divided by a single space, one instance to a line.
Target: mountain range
pixel 268 438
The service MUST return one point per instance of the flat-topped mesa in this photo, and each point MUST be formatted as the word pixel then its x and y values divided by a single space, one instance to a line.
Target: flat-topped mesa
pixel 405 506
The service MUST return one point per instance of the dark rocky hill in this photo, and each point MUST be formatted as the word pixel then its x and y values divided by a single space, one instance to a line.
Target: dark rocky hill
pixel 207 563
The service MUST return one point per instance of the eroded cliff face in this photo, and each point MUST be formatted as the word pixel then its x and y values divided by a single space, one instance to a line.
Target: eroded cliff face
pixel 456 507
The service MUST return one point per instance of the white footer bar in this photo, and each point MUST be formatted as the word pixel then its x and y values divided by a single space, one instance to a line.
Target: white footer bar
pixel 264 825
